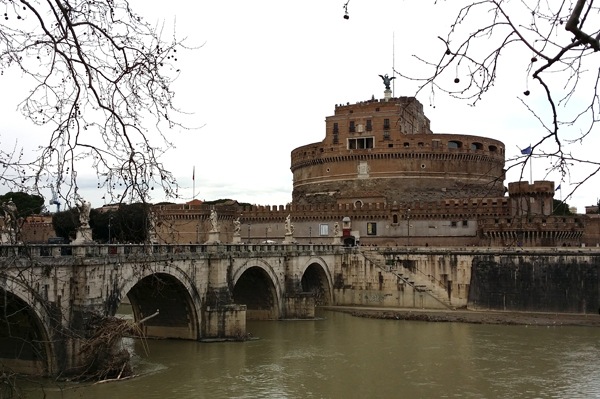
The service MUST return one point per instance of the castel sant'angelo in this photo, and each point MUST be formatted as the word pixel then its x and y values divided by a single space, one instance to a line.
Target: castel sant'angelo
pixel 382 177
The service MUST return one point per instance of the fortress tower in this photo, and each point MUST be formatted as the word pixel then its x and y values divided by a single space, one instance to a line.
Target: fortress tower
pixel 384 151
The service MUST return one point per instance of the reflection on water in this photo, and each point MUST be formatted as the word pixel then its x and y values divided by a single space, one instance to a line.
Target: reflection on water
pixel 346 357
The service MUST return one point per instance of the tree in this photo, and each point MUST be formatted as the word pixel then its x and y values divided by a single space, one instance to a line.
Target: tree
pixel 27 204
pixel 65 223
pixel 560 208
pixel 127 224
pixel 100 80
pixel 555 42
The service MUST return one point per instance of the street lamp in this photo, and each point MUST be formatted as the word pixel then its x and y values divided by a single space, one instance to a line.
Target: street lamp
pixel 408 227
pixel 110 216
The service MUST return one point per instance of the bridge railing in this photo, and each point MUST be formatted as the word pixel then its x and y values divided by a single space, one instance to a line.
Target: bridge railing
pixel 103 250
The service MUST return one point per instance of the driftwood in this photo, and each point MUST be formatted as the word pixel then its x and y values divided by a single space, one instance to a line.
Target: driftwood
pixel 105 360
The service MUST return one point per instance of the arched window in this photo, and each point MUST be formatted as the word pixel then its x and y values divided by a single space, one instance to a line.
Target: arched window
pixel 454 144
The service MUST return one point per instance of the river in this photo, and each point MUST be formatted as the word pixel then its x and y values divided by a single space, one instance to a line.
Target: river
pixel 341 356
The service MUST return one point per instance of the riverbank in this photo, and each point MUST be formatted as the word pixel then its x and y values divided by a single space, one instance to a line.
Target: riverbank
pixel 473 316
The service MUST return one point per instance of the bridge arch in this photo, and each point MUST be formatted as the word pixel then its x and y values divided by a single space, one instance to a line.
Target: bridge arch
pixel 255 284
pixel 169 291
pixel 26 345
pixel 316 278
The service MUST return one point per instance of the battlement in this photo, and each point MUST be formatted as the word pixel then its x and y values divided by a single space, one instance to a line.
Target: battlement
pixel 540 187
pixel 391 102
pixel 461 208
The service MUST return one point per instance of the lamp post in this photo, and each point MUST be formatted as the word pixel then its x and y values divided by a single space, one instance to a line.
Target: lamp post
pixel 109 222
pixel 408 227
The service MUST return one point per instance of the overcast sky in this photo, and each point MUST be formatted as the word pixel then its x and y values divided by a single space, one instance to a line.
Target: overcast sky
pixel 269 72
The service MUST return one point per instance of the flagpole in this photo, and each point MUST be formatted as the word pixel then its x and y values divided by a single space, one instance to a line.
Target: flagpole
pixel 194 182
pixel 530 169
pixel 393 63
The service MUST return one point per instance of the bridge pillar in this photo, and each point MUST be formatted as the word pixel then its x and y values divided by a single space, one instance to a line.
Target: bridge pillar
pixel 225 322
pixel 221 318
pixel 299 306
pixel 296 304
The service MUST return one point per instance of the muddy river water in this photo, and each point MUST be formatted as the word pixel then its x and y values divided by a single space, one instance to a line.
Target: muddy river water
pixel 341 356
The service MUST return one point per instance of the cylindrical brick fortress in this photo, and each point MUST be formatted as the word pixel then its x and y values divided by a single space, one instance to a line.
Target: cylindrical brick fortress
pixel 384 151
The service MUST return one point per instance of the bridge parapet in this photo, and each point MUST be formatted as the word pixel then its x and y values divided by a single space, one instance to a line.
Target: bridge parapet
pixel 199 250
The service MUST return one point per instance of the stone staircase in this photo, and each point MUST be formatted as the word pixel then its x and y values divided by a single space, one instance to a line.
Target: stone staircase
pixel 417 282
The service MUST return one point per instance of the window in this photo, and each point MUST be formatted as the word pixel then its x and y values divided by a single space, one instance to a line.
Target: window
pixel 476 146
pixel 395 219
pixel 335 128
pixel 454 144
pixel 360 143
pixel 369 125
pixel 352 128
pixel 493 148
pixel 435 144
pixel 386 124
pixel 453 224
pixel 465 223
pixel 371 229
pixel 324 229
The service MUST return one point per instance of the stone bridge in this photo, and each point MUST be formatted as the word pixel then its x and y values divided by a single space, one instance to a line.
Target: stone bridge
pixel 50 294
pixel 200 292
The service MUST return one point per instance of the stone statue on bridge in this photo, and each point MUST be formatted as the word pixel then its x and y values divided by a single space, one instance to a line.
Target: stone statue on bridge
pixel 84 208
pixel 214 221
pixel 10 215
pixel 289 230
pixel 289 227
pixel 84 231
pixel 337 240
pixel 237 228
pixel 9 230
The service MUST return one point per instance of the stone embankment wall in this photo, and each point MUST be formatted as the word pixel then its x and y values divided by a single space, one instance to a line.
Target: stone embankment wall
pixel 534 280
pixel 543 282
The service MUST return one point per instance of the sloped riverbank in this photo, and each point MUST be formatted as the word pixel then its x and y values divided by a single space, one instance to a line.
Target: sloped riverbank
pixel 474 316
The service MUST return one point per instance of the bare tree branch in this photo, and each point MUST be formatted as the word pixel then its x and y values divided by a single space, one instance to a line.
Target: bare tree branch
pixel 101 87
pixel 563 35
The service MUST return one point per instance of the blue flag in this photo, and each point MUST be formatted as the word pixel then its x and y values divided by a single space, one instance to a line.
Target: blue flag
pixel 526 151
pixel 557 188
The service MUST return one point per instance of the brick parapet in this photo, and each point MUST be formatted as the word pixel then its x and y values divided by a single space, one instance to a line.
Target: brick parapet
pixel 422 210
pixel 521 188
pixel 474 149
